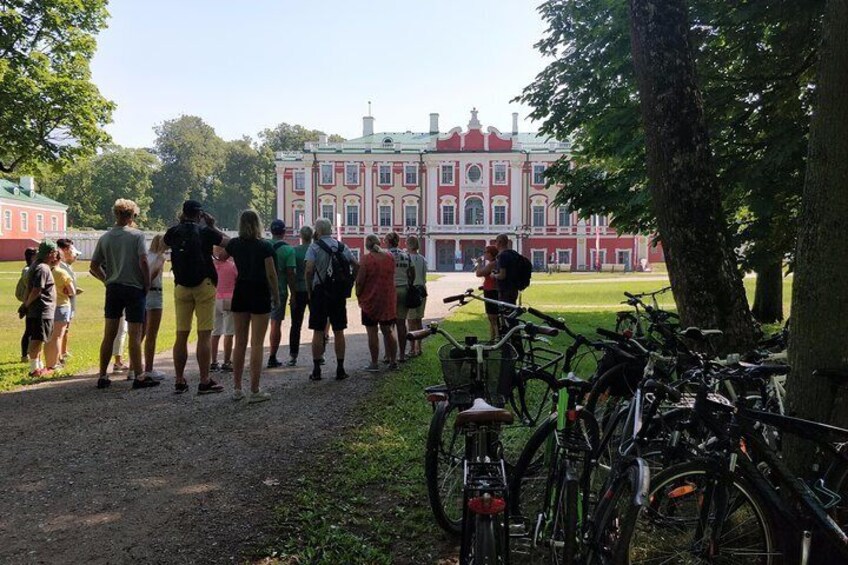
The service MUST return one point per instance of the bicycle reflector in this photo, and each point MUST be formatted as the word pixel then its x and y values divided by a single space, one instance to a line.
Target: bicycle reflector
pixel 628 333
pixel 487 504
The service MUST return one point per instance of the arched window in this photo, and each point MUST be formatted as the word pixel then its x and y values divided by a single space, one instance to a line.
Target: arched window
pixel 473 212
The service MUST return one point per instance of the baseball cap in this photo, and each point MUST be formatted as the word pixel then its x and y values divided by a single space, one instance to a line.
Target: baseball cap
pixel 278 227
pixel 192 207
pixel 44 249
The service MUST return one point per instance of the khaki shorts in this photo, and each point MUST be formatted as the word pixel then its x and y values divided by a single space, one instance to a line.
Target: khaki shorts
pixel 195 300
pixel 417 313
pixel 402 310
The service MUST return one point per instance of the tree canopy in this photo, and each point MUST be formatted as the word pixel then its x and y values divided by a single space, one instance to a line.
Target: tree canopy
pixel 50 111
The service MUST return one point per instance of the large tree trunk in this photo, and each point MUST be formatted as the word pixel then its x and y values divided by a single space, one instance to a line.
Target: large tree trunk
pixel 768 295
pixel 702 267
pixel 820 293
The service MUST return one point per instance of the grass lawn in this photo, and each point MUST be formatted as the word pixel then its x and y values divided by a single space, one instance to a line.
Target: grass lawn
pixel 364 499
pixel 86 329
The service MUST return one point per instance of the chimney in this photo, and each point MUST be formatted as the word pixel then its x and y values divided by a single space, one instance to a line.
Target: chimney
pixel 322 140
pixel 515 123
pixel 367 126
pixel 28 184
pixel 434 123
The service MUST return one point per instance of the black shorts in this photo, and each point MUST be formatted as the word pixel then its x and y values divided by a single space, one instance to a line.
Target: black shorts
pixel 124 300
pixel 39 329
pixel 491 309
pixel 323 308
pixel 252 297
pixel 370 322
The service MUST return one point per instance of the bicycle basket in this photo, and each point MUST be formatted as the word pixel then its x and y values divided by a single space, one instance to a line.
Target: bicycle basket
pixel 459 369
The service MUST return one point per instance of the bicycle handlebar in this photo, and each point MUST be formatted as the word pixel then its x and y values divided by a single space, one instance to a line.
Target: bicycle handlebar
pixel 418 335
pixel 669 392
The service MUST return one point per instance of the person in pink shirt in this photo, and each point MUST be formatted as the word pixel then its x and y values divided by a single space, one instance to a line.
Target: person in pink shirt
pixel 224 325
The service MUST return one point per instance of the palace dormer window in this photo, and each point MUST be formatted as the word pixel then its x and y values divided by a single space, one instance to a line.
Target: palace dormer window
pixel 388 142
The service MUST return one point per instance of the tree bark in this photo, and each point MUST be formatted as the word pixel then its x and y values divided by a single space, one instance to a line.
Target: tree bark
pixel 702 265
pixel 820 290
pixel 768 293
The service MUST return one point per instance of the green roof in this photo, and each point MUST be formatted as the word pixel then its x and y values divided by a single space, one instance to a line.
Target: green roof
pixel 10 191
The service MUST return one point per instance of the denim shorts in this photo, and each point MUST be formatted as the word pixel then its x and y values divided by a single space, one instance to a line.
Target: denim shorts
pixel 124 300
pixel 62 313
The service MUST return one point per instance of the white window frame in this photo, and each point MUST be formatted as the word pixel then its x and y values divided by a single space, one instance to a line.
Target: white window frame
pixel 380 209
pixel 321 177
pixel 603 253
pixel 299 180
pixel 7 219
pixel 535 253
pixel 533 209
pixel 452 208
pixel 447 168
pixel 495 215
pixel 560 210
pixel 559 253
pixel 39 223
pixel 299 219
pixel 466 209
pixel 332 207
pixel 596 221
pixel 413 170
pixel 496 168
pixel 348 209
pixel 629 256
pixel 538 174
pixel 381 168
pixel 351 168
pixel 406 217
pixel 54 223
pixel 355 252
pixel 24 222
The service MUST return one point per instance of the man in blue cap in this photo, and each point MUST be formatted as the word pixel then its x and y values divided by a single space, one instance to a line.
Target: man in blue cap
pixel 284 259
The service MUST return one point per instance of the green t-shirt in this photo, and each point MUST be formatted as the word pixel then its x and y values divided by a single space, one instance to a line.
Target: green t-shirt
pixel 284 259
pixel 300 267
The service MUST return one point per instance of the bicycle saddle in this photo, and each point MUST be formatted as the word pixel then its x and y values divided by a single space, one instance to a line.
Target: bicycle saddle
pixel 483 413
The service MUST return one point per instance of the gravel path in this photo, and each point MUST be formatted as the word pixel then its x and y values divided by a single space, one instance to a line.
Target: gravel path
pixel 121 476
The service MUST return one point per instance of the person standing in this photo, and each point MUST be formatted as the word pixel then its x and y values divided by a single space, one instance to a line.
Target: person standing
pixel 21 292
pixel 415 316
pixel 123 251
pixel 154 305
pixel 255 294
pixel 191 243
pixel 300 297
pixel 326 303
pixel 223 326
pixel 68 255
pixel 375 291
pixel 61 318
pixel 404 275
pixel 506 267
pixel 485 265
pixel 285 262
pixel 39 305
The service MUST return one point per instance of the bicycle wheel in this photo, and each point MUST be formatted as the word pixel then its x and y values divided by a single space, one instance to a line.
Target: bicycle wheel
pixel 443 468
pixel 698 513
pixel 617 513
pixel 484 541
pixel 564 525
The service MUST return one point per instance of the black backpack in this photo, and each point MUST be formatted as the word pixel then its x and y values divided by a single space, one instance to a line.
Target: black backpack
pixel 187 255
pixel 523 271
pixel 339 277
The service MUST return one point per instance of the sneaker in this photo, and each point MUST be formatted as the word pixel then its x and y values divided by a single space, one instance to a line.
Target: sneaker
pixel 291 362
pixel 144 383
pixel 119 368
pixel 209 388
pixel 130 375
pixel 273 363
pixel 214 367
pixel 57 367
pixel 41 373
pixel 156 375
pixel 341 376
pixel 260 396
pixel 321 361
pixel 372 368
pixel 226 367
pixel 315 376
pixel 393 366
pixel 237 395
pixel 24 359
pixel 103 382
pixel 180 388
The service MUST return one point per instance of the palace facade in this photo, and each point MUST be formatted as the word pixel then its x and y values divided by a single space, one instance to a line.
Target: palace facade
pixel 457 190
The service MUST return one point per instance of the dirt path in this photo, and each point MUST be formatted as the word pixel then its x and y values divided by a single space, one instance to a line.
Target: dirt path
pixel 147 476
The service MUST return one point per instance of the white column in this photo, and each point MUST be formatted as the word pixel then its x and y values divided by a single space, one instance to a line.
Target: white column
pixel 368 203
pixel 430 253
pixel 307 194
pixel 581 252
pixel 282 211
pixel 432 194
pixel 457 254
pixel 515 203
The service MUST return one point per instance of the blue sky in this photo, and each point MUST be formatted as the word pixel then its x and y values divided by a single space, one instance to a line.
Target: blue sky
pixel 243 66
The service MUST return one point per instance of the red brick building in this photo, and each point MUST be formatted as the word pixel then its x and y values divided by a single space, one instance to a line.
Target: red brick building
pixel 25 216
pixel 457 189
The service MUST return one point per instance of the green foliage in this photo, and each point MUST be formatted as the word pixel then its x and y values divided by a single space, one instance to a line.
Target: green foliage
pixel 236 183
pixel 754 63
pixel 285 137
pixel 50 112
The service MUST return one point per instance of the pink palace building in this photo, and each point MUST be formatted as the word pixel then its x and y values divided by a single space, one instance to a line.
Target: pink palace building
pixel 456 190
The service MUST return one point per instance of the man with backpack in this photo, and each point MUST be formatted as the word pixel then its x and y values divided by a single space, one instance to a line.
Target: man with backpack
pixel 284 259
pixel 330 273
pixel 512 271
pixel 191 242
